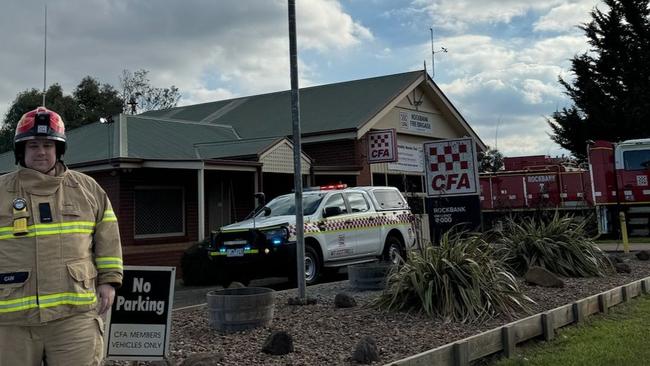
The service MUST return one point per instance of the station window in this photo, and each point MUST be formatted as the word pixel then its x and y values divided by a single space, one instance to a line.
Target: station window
pixel 159 212
pixel 378 179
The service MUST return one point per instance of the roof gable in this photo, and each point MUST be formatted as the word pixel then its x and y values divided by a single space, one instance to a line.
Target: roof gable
pixel 323 109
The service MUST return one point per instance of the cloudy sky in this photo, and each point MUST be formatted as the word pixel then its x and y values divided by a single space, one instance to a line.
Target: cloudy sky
pixel 501 69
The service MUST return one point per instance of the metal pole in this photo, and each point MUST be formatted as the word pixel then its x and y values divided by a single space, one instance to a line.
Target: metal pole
pixel 433 56
pixel 45 57
pixel 297 178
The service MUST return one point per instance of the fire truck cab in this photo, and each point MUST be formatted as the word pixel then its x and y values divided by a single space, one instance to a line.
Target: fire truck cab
pixel 619 173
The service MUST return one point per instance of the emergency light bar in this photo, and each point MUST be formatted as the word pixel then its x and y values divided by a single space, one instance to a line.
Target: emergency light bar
pixel 326 187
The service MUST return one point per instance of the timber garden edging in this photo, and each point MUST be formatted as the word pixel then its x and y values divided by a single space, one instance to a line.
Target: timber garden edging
pixel 505 338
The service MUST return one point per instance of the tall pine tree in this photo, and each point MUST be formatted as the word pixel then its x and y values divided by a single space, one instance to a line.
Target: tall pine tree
pixel 611 89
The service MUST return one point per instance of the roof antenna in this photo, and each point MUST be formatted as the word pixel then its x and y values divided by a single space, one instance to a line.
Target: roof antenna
pixel 433 54
pixel 45 57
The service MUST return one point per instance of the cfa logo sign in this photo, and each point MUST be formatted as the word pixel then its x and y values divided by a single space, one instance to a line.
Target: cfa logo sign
pixel 451 167
pixel 382 146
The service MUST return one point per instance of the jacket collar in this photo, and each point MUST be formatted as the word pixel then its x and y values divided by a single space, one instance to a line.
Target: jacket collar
pixel 37 183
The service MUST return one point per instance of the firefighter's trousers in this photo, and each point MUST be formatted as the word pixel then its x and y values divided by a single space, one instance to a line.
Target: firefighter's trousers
pixel 75 340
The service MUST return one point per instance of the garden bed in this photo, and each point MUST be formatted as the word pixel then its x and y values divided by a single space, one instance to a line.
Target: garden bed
pixel 325 335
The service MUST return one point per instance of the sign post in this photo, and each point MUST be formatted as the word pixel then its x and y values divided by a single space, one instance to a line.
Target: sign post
pixel 452 185
pixel 139 323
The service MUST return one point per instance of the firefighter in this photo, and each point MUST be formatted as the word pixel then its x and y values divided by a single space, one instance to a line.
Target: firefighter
pixel 60 253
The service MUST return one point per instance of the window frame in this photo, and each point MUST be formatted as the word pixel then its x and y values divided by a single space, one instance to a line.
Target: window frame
pixel 159 235
pixel 345 203
pixel 363 196
pixel 634 152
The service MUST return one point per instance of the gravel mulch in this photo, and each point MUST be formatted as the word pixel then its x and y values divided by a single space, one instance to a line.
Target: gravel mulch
pixel 325 335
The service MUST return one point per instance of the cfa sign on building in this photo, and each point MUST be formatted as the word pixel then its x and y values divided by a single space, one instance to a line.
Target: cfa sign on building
pixel 451 167
pixel 382 146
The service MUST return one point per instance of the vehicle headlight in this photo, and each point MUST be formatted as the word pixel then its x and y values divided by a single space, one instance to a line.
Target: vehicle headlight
pixel 277 236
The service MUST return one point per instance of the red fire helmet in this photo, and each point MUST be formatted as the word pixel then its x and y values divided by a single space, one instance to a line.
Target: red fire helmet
pixel 41 122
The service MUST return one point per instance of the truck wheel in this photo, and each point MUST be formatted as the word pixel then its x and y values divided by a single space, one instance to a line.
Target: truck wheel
pixel 393 250
pixel 312 265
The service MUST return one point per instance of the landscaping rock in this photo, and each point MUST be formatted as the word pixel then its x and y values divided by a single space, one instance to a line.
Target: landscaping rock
pixel 613 259
pixel 623 267
pixel 366 351
pixel 343 300
pixel 203 359
pixel 542 277
pixel 643 255
pixel 278 343
pixel 236 284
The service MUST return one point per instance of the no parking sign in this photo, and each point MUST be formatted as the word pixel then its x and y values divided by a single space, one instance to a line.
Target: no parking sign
pixel 139 322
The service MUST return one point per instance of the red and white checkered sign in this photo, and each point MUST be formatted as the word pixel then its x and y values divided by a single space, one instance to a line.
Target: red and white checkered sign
pixel 451 167
pixel 382 146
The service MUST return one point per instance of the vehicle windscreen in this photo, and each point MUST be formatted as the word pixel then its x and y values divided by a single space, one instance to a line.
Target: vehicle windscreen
pixel 285 205
pixel 637 159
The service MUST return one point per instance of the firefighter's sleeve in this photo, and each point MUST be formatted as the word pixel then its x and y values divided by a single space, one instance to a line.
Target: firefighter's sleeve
pixel 108 249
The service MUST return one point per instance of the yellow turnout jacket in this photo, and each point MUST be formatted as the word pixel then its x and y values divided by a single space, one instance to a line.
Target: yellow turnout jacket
pixel 71 243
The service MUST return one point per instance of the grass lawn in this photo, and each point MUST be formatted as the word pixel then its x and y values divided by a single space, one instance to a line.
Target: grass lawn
pixel 619 338
pixel 632 240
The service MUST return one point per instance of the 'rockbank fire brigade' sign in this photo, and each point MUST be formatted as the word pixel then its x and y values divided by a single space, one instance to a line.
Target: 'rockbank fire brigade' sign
pixel 382 146
pixel 139 322
pixel 451 167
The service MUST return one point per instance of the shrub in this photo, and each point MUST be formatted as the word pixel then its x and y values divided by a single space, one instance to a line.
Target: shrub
pixel 460 280
pixel 559 244
pixel 198 269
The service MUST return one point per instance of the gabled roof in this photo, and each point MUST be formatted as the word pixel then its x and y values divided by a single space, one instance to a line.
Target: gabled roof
pixel 245 127
pixel 141 137
pixel 328 108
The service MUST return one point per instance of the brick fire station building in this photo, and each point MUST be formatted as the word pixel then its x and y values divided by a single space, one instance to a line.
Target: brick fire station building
pixel 174 175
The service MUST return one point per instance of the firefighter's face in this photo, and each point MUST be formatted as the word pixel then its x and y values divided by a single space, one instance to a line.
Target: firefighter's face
pixel 40 155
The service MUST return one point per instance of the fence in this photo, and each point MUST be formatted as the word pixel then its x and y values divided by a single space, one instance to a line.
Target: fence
pixel 505 338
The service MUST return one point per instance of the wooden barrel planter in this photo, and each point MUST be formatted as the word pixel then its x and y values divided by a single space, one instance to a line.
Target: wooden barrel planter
pixel 369 276
pixel 235 309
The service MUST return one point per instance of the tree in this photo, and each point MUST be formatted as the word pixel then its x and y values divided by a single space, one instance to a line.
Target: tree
pixel 28 100
pixel 611 89
pixel 490 161
pixel 87 104
pixel 139 96
pixel 95 101
pixel 89 101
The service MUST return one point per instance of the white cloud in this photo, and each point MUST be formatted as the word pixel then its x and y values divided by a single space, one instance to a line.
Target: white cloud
pixel 458 15
pixel 221 48
pixel 566 17
pixel 509 80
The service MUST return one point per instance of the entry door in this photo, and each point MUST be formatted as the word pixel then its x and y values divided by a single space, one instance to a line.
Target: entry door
pixel 219 204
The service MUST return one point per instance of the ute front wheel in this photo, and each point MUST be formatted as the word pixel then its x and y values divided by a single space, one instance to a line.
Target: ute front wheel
pixel 393 250
pixel 313 267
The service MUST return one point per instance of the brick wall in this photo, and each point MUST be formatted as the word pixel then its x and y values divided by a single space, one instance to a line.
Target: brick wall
pixel 156 177
pixel 341 152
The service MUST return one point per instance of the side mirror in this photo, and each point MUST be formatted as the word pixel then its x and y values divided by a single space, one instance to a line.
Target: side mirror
pixel 332 211
pixel 267 210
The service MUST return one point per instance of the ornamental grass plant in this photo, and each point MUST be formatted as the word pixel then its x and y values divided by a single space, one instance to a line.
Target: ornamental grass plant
pixel 460 280
pixel 560 244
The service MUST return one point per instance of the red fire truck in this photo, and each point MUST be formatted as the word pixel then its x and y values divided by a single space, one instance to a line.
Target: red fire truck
pixel 616 181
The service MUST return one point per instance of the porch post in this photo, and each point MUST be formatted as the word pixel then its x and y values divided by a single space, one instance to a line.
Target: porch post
pixel 201 203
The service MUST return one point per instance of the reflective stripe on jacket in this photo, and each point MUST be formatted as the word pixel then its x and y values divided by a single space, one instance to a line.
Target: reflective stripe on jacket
pixel 70 244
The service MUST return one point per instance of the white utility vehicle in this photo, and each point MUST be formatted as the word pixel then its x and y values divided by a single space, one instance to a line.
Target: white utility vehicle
pixel 341 227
